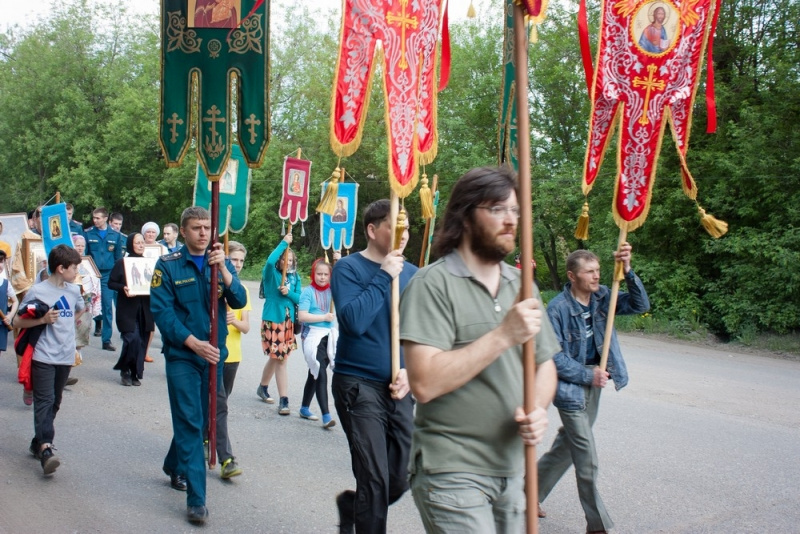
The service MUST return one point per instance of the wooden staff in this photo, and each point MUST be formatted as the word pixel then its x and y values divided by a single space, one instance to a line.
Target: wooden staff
pixel 526 251
pixel 213 313
pixel 426 237
pixel 393 211
pixel 619 275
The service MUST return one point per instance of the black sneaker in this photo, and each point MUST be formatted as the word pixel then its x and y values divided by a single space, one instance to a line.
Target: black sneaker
pixel 135 381
pixel 125 379
pixel 97 332
pixel 34 448
pixel 71 381
pixel 109 346
pixel 197 514
pixel 345 502
pixel 49 461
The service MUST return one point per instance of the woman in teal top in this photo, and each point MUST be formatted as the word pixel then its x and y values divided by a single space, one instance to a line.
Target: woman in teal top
pixel 277 321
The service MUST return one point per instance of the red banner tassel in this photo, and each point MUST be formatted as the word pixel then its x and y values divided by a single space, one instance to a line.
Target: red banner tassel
pixel 586 49
pixel 444 74
pixel 252 11
pixel 711 98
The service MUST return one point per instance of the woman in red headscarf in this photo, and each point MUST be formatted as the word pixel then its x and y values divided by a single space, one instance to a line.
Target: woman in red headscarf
pixel 317 316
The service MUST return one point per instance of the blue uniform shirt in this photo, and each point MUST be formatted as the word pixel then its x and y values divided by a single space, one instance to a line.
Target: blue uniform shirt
pixel 179 300
pixel 76 228
pixel 105 251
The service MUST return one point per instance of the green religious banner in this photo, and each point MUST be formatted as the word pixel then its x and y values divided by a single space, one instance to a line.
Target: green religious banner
pixel 234 192
pixel 211 51
pixel 507 131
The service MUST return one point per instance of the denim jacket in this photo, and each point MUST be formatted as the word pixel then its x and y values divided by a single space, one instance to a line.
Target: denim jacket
pixel 566 316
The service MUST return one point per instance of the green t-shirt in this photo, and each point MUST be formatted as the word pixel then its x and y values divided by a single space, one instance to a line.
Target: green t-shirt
pixel 471 429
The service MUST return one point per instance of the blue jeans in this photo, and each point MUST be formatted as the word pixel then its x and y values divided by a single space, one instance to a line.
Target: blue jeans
pixel 106 302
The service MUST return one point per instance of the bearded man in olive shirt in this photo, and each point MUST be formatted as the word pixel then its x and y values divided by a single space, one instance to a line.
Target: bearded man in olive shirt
pixel 462 332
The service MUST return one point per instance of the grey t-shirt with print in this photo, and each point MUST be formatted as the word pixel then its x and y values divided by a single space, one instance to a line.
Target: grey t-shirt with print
pixel 56 344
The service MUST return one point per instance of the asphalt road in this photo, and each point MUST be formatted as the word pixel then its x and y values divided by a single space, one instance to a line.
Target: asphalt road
pixel 701 441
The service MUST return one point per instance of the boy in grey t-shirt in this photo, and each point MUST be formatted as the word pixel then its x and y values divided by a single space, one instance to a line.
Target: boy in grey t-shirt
pixel 54 352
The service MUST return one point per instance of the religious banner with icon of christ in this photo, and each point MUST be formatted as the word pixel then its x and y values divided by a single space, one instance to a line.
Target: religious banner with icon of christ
pixel 205 44
pixel 646 76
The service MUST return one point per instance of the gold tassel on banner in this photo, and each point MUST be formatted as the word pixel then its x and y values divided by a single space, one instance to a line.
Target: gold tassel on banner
pixel 328 203
pixel 471 11
pixel 713 226
pixel 534 35
pixel 400 228
pixel 582 231
pixel 426 198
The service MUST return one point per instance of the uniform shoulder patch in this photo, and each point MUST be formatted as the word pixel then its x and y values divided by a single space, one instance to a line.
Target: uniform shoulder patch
pixel 156 280
pixel 172 257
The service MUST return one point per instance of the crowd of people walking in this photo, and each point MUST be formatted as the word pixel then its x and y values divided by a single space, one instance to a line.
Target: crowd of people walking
pixel 448 423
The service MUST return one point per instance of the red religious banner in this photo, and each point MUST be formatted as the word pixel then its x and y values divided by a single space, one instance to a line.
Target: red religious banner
pixel 408 33
pixel 296 178
pixel 648 64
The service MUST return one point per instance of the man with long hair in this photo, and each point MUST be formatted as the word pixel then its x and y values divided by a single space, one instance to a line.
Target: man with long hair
pixel 462 330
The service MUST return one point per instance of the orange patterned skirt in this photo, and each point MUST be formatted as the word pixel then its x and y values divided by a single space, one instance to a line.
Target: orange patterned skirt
pixel 277 339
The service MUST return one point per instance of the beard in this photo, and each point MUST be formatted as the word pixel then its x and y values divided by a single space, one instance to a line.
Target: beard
pixel 487 246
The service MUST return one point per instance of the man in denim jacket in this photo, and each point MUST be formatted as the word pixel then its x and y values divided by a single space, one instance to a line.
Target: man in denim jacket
pixel 578 315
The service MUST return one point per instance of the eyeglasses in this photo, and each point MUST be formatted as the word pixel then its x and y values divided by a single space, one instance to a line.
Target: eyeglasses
pixel 499 212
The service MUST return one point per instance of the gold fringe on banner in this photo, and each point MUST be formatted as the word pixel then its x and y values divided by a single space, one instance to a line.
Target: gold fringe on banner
pixel 328 203
pixel 715 227
pixel 471 11
pixel 582 231
pixel 426 198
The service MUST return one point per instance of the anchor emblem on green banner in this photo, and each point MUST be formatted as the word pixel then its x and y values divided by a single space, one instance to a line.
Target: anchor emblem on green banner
pixel 214 51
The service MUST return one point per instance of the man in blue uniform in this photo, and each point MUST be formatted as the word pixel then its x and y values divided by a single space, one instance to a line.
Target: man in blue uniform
pixel 104 245
pixel 179 300
pixel 115 222
pixel 75 227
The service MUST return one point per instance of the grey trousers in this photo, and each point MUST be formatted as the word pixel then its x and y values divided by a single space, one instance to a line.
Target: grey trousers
pixel 48 385
pixel 575 444
pixel 454 503
pixel 223 443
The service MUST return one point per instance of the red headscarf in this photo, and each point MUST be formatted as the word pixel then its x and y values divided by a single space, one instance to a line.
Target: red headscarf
pixel 314 278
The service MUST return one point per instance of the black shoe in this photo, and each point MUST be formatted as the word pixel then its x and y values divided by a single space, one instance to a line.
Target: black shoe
pixel 345 502
pixel 34 448
pixel 97 332
pixel 196 514
pixel 135 381
pixel 177 482
pixel 71 381
pixel 125 378
pixel 109 346
pixel 49 461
